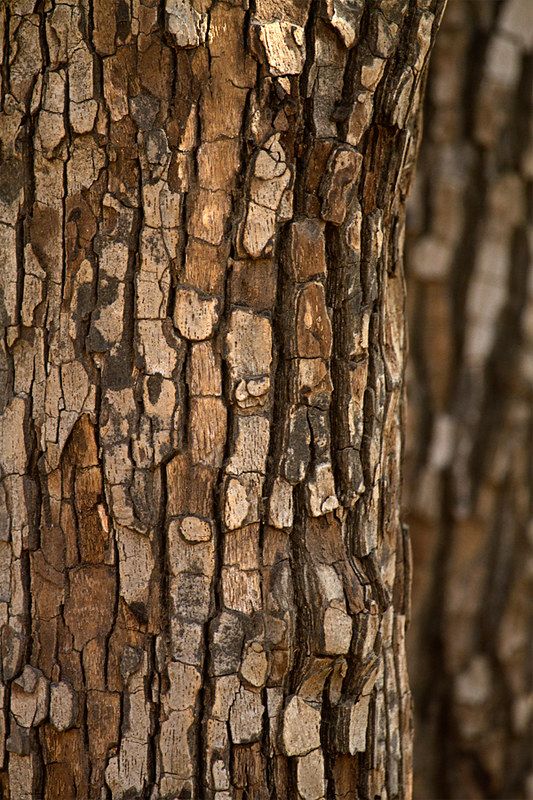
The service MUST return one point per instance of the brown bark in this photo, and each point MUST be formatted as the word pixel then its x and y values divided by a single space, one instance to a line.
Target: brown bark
pixel 471 427
pixel 205 577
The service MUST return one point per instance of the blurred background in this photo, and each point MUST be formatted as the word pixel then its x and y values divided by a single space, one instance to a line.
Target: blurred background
pixel 469 471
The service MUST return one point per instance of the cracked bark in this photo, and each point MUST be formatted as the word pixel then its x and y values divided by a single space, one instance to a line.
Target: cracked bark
pixel 204 575
pixel 470 283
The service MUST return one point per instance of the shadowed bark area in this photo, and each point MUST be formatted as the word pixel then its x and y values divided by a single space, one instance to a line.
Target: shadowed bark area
pixel 204 578
pixel 471 428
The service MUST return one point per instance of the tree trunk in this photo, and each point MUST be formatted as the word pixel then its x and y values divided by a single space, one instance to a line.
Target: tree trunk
pixel 204 575
pixel 471 431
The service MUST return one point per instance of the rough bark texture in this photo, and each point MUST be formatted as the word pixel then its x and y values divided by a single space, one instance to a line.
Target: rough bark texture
pixel 204 575
pixel 471 429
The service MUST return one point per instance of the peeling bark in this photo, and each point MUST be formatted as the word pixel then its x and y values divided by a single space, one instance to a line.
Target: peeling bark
pixel 204 575
pixel 471 307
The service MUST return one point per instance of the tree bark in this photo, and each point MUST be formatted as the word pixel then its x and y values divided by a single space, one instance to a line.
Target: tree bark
pixel 204 575
pixel 471 429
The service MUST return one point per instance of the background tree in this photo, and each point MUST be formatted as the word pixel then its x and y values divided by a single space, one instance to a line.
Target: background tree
pixel 470 477
pixel 204 575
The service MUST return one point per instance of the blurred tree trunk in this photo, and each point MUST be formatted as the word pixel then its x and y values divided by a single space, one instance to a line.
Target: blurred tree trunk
pixel 470 431
pixel 204 575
